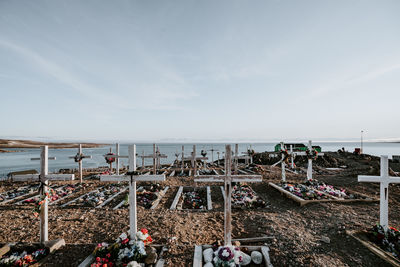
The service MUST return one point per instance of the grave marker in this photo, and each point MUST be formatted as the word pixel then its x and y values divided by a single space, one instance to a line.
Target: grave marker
pixel 132 177
pixel 78 158
pixel 227 179
pixel 309 154
pixel 194 160
pixel 384 179
pixel 44 178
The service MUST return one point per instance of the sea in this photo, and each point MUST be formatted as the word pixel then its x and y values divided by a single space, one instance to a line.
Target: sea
pixel 18 161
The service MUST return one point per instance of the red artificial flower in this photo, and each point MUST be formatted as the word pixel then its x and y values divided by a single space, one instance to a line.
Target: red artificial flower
pixel 125 241
pixel 104 265
pixel 98 259
pixel 144 231
pixel 108 255
pixel 394 229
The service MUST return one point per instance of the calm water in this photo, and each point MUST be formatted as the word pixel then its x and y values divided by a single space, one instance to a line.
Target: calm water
pixel 21 160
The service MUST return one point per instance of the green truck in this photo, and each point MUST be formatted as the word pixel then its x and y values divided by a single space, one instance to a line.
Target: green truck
pixel 296 147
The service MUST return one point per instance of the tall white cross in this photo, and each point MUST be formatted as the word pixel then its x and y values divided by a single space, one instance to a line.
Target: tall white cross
pixel 44 178
pixel 184 159
pixel 212 155
pixel 132 177
pixel 78 158
pixel 384 179
pixel 117 156
pixel 250 152
pixel 159 156
pixel 227 179
pixel 194 160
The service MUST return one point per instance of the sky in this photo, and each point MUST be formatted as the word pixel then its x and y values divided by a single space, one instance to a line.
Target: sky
pixel 199 70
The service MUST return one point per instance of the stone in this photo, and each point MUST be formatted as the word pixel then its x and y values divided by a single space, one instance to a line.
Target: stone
pixel 256 257
pixel 246 259
pixel 325 239
pixel 208 255
pixel 151 255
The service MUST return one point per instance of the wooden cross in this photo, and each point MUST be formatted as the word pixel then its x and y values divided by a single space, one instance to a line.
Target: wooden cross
pixel 195 159
pixel 184 159
pixel 78 158
pixel 384 179
pixel 159 156
pixel 212 154
pixel 132 177
pixel 227 179
pixel 44 178
pixel 117 156
pixel 218 158
pixel 310 160
pixel 237 157
pixel 249 153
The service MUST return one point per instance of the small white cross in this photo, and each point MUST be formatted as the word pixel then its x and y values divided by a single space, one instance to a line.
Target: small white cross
pixel 310 160
pixel 132 177
pixel 384 179
pixel 195 159
pixel 78 158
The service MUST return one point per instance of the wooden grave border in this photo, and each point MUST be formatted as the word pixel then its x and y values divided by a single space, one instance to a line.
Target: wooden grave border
pixel 52 246
pixel 179 194
pixel 160 195
pixel 198 254
pixel 303 202
pixel 32 193
pixel 361 236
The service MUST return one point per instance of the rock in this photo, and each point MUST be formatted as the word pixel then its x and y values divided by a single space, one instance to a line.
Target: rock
pixel 246 259
pixel 256 257
pixel 208 255
pixel 325 239
pixel 151 255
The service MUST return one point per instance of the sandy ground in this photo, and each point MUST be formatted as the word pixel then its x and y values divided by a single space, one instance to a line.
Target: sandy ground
pixel 296 230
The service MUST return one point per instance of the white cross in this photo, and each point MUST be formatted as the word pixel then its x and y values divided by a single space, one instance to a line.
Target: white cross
pixel 195 159
pixel 384 179
pixel 44 178
pixel 117 156
pixel 156 156
pixel 78 158
pixel 184 159
pixel 159 156
pixel 310 160
pixel 227 179
pixel 132 177
pixel 249 153
pixel 237 157
pixel 212 154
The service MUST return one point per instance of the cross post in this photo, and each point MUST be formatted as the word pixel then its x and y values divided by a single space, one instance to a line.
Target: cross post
pixel 227 179
pixel 78 158
pixel 194 160
pixel 44 178
pixel 132 177
pixel 309 153
pixel 384 179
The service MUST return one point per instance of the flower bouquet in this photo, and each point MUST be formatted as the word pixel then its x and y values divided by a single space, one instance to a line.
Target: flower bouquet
pixel 243 196
pixel 228 256
pixel 388 241
pixel 22 258
pixel 124 252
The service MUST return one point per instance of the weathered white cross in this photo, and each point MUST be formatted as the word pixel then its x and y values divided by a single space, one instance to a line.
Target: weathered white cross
pixel 78 158
pixel 237 157
pixel 44 178
pixel 184 159
pixel 117 156
pixel 212 154
pixel 132 177
pixel 227 179
pixel 159 156
pixel 384 179
pixel 250 152
pixel 195 159
pixel 156 156
pixel 310 151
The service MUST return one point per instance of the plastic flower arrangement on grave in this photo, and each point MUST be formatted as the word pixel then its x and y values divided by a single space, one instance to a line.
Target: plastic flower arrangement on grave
pixel 41 200
pixel 124 251
pixel 227 256
pixel 23 259
pixel 388 241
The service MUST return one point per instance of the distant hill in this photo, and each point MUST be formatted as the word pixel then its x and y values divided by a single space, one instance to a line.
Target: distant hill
pixel 6 143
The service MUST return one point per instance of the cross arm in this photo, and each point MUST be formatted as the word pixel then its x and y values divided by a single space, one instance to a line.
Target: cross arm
pixel 50 158
pixel 235 178
pixel 51 177
pixel 127 178
pixel 115 156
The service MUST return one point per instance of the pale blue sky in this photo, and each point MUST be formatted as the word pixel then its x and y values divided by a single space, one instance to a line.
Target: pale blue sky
pixel 248 70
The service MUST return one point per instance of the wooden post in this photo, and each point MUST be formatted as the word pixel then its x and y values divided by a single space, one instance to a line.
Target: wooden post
pixel 194 163
pixel 110 161
pixel 292 156
pixel 117 158
pixel 309 167
pixel 80 163
pixel 154 160
pixel 44 218
pixel 142 159
pixel 228 193
pixel 236 160
pixel 132 193
pixel 183 158
pixel 283 164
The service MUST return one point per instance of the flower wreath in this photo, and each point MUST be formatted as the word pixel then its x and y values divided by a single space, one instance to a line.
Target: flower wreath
pixel 109 160
pixel 312 154
pixel 227 256
pixel 42 198
pixel 78 157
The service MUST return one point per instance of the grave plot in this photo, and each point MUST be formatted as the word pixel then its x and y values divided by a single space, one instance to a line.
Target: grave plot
pixel 314 192
pixel 230 254
pixel 148 196
pixel 244 197
pixel 18 193
pixel 381 239
pixel 27 254
pixel 98 197
pixel 192 198
pixel 56 194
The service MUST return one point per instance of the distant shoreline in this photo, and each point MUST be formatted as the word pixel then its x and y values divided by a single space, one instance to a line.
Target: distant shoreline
pixel 7 143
